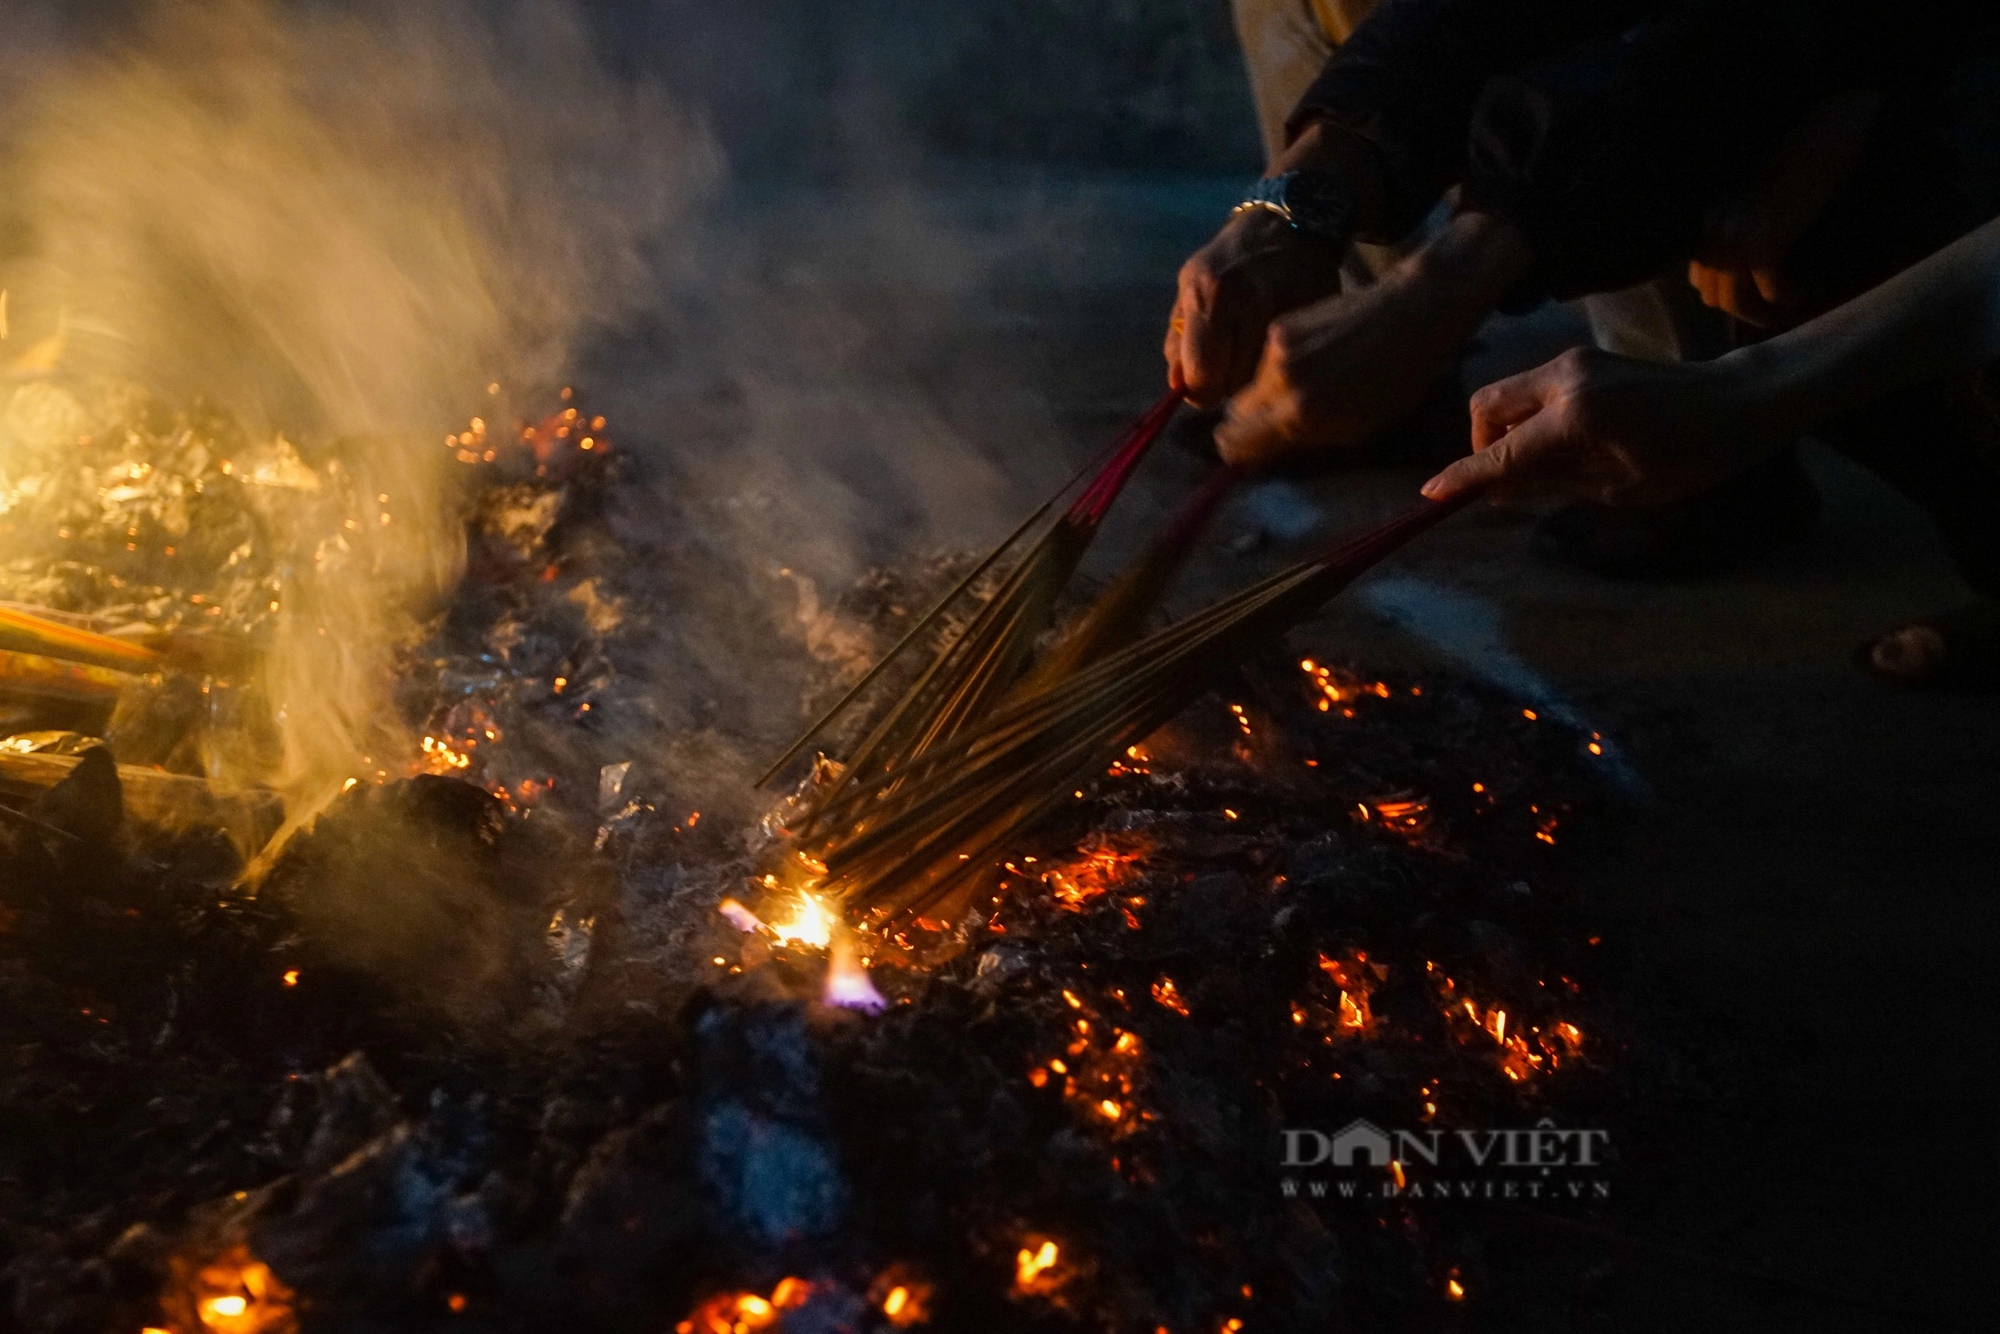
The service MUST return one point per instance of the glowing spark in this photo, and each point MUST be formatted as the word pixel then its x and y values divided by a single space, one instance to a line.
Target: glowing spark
pixel 291 977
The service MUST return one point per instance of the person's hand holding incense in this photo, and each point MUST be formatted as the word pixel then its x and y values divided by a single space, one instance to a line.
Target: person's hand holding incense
pixel 1595 426
pixel 1740 266
pixel 1626 432
pixel 1263 263
pixel 1334 373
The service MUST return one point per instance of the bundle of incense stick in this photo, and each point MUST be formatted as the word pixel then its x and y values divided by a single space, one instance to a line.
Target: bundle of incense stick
pixel 923 839
pixel 25 631
pixel 972 671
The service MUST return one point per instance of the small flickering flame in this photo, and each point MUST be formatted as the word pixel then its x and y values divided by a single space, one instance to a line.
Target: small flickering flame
pixel 1454 1291
pixel 1032 1263
pixel 847 982
pixel 1167 994
pixel 291 977
pixel 740 917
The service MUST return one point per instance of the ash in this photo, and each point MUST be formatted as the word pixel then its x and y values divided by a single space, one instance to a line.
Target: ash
pixel 478 1050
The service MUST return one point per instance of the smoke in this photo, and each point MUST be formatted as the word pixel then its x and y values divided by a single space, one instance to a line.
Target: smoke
pixel 339 224
pixel 343 222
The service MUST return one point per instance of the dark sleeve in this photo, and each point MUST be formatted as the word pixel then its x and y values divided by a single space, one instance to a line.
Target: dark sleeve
pixel 1609 157
pixel 1409 77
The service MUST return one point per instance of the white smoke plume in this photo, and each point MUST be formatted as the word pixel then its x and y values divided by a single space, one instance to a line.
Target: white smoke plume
pixel 340 224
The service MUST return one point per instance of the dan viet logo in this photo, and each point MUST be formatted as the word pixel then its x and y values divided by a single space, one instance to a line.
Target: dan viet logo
pixel 1362 1161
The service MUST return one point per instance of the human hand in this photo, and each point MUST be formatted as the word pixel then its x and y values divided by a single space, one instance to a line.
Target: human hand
pixel 1600 427
pixel 1257 267
pixel 1739 268
pixel 1334 373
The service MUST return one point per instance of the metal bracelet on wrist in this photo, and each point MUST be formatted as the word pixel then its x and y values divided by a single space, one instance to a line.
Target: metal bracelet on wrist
pixel 1313 203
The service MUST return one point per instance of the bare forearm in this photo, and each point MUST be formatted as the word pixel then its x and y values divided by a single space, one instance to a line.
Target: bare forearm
pixel 1937 318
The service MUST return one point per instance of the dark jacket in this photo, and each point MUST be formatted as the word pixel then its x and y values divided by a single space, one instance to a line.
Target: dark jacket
pixel 1607 128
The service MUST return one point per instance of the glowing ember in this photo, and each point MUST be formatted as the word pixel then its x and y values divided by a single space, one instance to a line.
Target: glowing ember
pixel 1406 814
pixel 1098 868
pixel 1168 995
pixel 729 1314
pixel 901 1296
pixel 238 1294
pixel 1032 1266
pixel 1524 1050
pixel 440 758
pixel 1354 979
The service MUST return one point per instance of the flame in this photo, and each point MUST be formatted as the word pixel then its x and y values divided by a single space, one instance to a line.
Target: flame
pixel 847 983
pixel 811 925
pixel 1167 994
pixel 740 917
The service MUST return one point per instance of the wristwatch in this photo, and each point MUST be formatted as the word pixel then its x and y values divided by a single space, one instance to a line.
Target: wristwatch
pixel 1316 203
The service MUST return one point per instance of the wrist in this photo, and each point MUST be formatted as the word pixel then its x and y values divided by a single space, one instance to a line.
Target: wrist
pixel 1757 386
